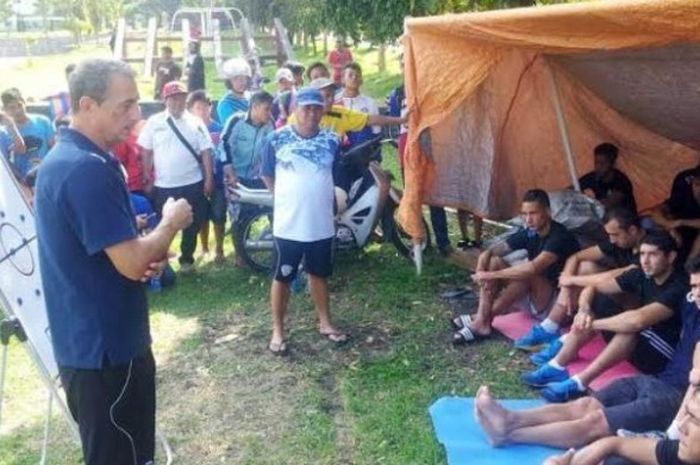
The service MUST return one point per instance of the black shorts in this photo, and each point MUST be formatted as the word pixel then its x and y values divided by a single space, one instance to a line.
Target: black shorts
pixel 217 206
pixel 115 410
pixel 318 258
pixel 639 403
pixel 645 356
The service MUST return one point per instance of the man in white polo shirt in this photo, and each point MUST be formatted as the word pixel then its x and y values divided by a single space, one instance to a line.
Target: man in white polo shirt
pixel 177 162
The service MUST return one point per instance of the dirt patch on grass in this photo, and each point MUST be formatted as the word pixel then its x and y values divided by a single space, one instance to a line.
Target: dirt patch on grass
pixel 223 401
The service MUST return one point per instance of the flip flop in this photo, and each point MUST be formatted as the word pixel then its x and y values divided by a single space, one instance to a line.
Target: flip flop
pixel 336 337
pixel 278 348
pixel 467 336
pixel 461 321
pixel 457 292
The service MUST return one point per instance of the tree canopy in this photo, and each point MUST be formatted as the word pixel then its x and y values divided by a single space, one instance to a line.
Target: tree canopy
pixel 378 21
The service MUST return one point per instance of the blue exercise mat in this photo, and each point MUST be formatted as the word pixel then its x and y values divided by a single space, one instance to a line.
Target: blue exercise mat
pixel 466 443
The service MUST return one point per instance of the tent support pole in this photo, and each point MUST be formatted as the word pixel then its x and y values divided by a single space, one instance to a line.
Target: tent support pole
pixel 564 130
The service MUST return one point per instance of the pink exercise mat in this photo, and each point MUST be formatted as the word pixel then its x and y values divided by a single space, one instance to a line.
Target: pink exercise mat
pixel 516 324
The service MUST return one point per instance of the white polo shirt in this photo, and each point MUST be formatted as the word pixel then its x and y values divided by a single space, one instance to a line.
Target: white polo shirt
pixel 173 163
pixel 362 103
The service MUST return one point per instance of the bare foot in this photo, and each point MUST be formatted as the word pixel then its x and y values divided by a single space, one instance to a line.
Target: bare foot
pixel 276 339
pixel 492 417
pixel 333 334
pixel 478 326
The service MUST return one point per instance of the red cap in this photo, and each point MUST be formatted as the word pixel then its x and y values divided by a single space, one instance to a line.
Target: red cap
pixel 173 88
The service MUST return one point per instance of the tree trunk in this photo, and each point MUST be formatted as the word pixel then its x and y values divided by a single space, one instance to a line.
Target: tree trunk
pixel 381 61
pixel 313 44
pixel 325 43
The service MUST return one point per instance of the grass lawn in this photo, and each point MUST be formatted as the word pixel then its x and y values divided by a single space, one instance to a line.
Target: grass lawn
pixel 223 398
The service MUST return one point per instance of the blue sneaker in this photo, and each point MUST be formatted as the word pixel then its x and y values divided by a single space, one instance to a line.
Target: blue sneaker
pixel 536 337
pixel 548 353
pixel 544 375
pixel 562 391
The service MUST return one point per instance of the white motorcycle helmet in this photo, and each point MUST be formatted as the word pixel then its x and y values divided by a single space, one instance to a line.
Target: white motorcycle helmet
pixel 236 67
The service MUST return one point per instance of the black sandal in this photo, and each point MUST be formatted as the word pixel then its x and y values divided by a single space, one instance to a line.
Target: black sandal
pixel 461 321
pixel 467 336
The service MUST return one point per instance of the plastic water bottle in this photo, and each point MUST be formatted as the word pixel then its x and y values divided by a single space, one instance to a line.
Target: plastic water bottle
pixel 155 285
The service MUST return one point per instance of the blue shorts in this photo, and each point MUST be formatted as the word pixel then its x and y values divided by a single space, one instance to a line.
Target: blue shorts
pixel 317 255
pixel 639 403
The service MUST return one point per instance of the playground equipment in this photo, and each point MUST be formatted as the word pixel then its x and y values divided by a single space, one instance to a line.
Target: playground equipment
pixel 223 32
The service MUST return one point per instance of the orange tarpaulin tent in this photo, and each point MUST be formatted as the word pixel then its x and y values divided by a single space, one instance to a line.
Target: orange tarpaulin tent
pixel 516 99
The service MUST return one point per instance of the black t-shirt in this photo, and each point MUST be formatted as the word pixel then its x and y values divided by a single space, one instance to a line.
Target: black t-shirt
pixel 619 182
pixel 166 71
pixel 619 257
pixel 558 241
pixel 195 73
pixel 667 453
pixel 682 204
pixel 671 293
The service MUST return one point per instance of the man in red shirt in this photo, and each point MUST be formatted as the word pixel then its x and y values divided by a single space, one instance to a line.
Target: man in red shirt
pixel 129 154
pixel 338 58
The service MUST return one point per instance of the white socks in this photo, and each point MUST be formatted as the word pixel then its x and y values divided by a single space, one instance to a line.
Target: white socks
pixel 553 363
pixel 580 385
pixel 550 326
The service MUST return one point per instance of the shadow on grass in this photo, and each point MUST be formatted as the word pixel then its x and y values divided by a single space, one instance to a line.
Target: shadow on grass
pixel 223 398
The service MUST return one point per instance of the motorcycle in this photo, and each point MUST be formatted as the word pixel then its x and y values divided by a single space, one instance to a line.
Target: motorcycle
pixel 366 211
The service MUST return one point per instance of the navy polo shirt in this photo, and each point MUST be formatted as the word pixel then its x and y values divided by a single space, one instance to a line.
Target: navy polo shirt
pixel 97 316
pixel 677 370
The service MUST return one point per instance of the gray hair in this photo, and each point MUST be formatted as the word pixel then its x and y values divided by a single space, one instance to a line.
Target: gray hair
pixel 91 79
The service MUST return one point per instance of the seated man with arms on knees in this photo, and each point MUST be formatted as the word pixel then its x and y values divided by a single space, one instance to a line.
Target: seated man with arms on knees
pixel 548 245
pixel 680 214
pixel 587 267
pixel 638 403
pixel 606 183
pixel 645 335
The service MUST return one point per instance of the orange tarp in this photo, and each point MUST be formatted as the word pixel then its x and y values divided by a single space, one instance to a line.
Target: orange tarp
pixel 483 84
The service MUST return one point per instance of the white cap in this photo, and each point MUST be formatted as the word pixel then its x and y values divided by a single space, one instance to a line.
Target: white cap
pixel 322 83
pixel 235 67
pixel 284 73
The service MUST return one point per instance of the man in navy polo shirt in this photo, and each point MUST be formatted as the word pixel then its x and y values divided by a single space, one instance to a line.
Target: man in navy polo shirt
pixel 92 261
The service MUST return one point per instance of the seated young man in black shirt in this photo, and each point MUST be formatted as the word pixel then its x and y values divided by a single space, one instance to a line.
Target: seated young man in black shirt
pixel 548 245
pixel 587 267
pixel 638 403
pixel 607 184
pixel 645 335
pixel 680 213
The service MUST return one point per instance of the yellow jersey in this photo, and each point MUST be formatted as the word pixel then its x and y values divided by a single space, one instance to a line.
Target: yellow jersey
pixel 341 120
